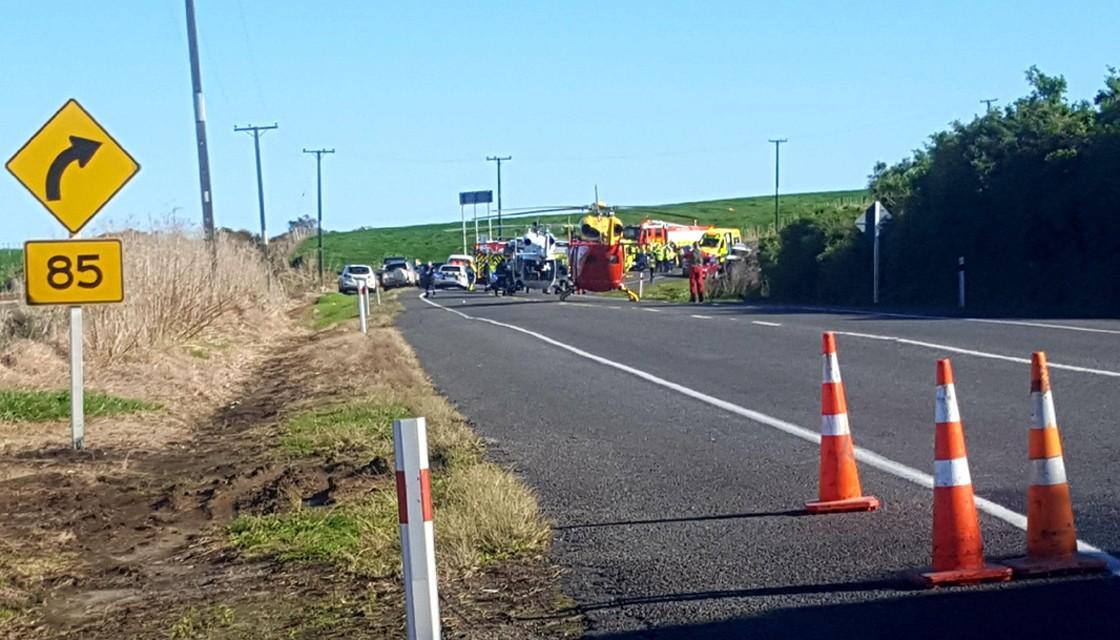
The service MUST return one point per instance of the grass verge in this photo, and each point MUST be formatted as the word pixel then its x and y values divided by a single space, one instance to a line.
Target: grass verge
pixel 336 308
pixel 359 537
pixel 362 429
pixel 483 515
pixel 44 406
pixel 665 289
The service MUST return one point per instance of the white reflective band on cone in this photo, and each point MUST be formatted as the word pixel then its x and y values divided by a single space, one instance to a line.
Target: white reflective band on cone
pixel 1042 410
pixel 836 425
pixel 831 371
pixel 951 473
pixel 946 406
pixel 1048 471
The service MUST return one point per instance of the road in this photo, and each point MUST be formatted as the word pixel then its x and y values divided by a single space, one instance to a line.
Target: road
pixel 669 446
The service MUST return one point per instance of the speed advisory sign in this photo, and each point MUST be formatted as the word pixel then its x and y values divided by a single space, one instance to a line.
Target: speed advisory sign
pixel 73 271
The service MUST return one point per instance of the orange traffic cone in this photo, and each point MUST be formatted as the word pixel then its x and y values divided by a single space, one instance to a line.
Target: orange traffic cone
pixel 958 553
pixel 839 490
pixel 1051 536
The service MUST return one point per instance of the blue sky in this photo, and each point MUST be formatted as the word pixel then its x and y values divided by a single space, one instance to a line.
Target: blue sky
pixel 653 101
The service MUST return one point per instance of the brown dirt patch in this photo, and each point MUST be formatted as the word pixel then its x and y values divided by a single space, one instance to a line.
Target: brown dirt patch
pixel 126 539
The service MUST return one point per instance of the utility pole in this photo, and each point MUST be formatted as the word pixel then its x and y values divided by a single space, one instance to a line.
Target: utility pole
pixel 499 160
pixel 988 103
pixel 319 183
pixel 777 159
pixel 200 127
pixel 256 131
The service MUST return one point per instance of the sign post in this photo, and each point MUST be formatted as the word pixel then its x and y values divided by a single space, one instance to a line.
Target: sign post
pixel 474 198
pixel 872 222
pixel 73 167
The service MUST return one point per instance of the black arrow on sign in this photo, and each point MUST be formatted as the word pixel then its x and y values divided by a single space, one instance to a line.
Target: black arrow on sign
pixel 80 151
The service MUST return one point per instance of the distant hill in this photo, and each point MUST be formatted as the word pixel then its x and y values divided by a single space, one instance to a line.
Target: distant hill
pixel 754 215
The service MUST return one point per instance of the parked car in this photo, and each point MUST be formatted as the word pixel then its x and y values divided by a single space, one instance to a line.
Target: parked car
pixel 352 276
pixel 398 274
pixel 452 276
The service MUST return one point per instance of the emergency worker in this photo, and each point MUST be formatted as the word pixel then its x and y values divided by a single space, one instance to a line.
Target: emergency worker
pixel 696 273
pixel 427 280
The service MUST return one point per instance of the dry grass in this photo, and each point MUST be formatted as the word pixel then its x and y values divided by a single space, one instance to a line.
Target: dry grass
pixel 176 288
pixel 487 515
pixel 184 338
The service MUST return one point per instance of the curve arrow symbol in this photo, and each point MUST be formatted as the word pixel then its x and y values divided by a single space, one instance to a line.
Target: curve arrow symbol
pixel 80 151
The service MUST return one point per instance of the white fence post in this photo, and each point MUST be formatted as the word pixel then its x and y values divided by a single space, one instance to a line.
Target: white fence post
pixel 362 305
pixel 414 510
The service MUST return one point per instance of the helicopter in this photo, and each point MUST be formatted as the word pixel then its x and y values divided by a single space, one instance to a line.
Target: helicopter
pixel 599 256
pixel 534 260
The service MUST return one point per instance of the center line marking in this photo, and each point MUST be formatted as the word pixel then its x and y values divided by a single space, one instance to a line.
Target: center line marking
pixel 700 317
pixel 650 310
pixel 870 458
pixel 766 324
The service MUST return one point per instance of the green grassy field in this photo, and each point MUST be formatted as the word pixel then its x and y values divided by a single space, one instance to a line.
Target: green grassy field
pixel 11 263
pixel 436 241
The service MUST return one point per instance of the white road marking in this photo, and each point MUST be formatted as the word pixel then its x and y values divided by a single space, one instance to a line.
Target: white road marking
pixel 766 324
pixel 650 310
pixel 978 354
pixel 1045 325
pixel 866 456
pixel 921 316
pixel 615 307
pixel 700 317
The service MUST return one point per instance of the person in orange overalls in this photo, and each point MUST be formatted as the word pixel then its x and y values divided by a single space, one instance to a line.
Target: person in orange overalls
pixel 696 273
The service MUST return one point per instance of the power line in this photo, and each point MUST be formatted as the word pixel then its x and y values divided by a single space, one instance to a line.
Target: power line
pixel 256 131
pixel 777 164
pixel 499 160
pixel 319 181
pixel 200 126
pixel 252 56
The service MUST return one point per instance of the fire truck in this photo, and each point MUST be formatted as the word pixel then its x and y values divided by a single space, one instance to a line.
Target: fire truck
pixel 655 232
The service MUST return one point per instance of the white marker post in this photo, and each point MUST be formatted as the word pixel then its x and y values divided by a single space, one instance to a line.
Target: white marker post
pixel 362 302
pixel 377 292
pixel 640 280
pixel 960 282
pixel 414 510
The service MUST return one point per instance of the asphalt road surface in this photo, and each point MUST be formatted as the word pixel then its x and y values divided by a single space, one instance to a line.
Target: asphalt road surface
pixel 671 446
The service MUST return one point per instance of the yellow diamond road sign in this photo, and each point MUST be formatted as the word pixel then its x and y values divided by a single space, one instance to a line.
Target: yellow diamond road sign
pixel 72 166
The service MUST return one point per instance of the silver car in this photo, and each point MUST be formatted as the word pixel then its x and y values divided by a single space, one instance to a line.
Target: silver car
pixel 353 275
pixel 398 274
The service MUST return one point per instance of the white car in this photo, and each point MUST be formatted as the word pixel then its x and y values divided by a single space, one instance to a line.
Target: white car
pixel 353 275
pixel 451 276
